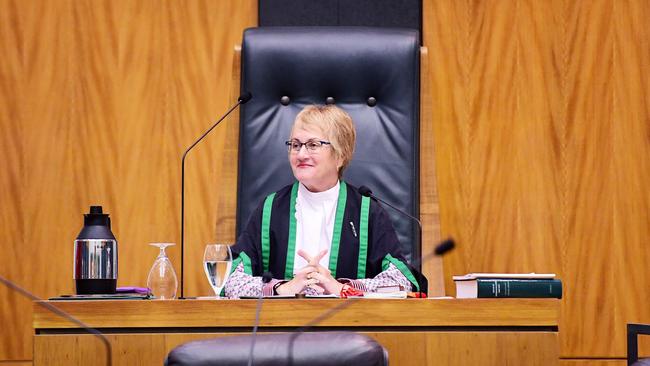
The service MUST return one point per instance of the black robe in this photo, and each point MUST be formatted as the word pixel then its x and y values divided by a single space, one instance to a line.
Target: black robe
pixel 382 243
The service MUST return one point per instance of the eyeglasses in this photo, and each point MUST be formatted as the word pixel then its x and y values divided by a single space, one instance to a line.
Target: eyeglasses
pixel 313 146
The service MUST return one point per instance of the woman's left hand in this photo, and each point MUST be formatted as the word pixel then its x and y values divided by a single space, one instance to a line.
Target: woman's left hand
pixel 325 280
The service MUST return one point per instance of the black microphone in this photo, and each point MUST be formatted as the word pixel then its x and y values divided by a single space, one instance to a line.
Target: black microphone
pixel 63 314
pixel 266 278
pixel 444 247
pixel 243 98
pixel 365 191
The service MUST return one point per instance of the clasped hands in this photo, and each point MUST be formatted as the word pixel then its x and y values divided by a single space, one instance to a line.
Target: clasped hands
pixel 312 275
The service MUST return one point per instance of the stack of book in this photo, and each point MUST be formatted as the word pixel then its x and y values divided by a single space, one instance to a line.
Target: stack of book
pixel 518 285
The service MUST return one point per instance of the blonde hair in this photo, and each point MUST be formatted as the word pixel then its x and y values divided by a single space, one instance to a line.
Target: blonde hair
pixel 335 124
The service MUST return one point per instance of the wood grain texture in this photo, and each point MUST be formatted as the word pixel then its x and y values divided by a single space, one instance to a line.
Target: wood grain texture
pixel 539 110
pixel 589 282
pixel 593 362
pixel 241 313
pixel 543 161
pixel 429 201
pixel 98 101
pixel 631 155
pixel 497 152
pixel 459 342
pixel 492 348
pixel 404 348
pixel 225 229
pixel 12 225
pixel 447 79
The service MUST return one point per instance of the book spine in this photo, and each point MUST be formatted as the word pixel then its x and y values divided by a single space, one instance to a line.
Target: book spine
pixel 519 288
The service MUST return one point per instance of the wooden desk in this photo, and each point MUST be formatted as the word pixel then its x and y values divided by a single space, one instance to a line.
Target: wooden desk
pixel 414 331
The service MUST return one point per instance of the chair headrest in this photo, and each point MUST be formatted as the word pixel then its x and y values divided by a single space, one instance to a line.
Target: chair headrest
pixel 313 349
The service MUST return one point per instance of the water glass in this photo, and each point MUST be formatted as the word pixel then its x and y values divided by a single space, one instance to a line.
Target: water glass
pixel 217 262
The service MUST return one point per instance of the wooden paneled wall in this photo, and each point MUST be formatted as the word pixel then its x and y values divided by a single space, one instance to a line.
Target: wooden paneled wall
pixel 542 115
pixel 98 101
pixel 542 133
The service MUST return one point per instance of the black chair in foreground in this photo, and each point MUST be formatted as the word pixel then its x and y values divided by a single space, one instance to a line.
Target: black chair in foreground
pixel 633 331
pixel 309 349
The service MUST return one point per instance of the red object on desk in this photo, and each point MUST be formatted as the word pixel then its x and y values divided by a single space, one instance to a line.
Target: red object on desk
pixel 348 290
pixel 417 295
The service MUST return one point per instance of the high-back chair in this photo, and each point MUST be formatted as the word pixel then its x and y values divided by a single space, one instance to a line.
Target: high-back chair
pixel 371 73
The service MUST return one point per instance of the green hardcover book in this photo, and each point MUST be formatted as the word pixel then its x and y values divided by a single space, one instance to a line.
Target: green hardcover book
pixel 486 285
pixel 519 288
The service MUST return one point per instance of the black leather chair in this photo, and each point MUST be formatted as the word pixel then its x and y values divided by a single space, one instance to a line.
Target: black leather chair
pixel 372 73
pixel 308 349
pixel 633 331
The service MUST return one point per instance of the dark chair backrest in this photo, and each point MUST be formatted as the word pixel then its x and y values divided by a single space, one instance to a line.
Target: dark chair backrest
pixel 297 349
pixel 633 331
pixel 372 73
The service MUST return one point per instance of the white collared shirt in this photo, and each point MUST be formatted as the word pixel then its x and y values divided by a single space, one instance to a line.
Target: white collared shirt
pixel 315 215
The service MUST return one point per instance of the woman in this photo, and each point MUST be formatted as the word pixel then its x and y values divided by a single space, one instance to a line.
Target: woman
pixel 319 235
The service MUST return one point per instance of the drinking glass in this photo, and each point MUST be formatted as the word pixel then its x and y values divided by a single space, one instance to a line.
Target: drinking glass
pixel 162 278
pixel 217 261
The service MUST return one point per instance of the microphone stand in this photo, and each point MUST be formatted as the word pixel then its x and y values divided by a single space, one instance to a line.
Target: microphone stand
pixel 365 191
pixel 64 315
pixel 266 278
pixel 245 97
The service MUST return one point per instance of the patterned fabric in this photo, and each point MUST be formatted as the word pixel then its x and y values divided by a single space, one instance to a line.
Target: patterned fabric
pixel 242 284
pixel 390 277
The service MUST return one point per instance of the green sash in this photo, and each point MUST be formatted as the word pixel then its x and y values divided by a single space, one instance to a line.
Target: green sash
pixel 388 259
pixel 336 236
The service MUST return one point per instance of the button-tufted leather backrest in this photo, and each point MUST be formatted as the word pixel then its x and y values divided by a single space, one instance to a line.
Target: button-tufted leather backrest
pixel 372 73
pixel 310 349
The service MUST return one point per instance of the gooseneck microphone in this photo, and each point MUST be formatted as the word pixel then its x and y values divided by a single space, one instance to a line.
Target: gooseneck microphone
pixel 243 98
pixel 64 315
pixel 266 278
pixel 366 192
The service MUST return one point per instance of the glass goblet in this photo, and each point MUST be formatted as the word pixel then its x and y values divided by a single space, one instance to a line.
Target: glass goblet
pixel 162 278
pixel 217 262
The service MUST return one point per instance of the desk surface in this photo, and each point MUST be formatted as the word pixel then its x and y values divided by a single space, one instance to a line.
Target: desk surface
pixel 296 313
pixel 414 331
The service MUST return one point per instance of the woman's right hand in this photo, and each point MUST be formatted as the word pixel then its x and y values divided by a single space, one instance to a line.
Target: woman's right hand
pixel 299 281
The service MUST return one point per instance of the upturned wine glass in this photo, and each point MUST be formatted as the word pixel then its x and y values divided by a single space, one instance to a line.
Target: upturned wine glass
pixel 162 278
